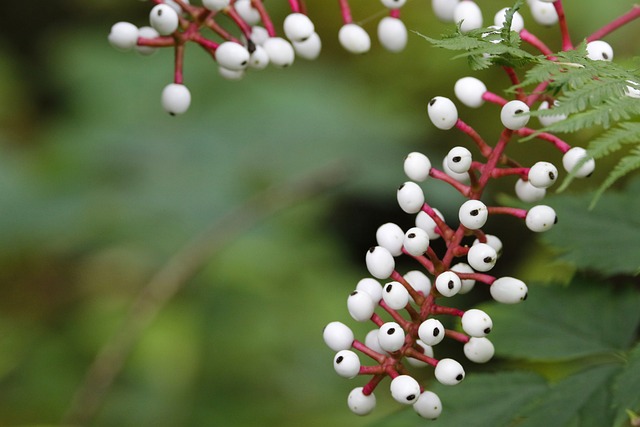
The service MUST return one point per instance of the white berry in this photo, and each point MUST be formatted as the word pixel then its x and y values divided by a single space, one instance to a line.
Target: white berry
pixel 371 287
pixel 380 262
pixel 391 337
pixel 175 99
pixel 410 197
pixel 395 295
pixel 442 111
pixel 542 175
pixel 232 56
pixel 493 241
pixel 391 237
pixel 551 119
pixel 466 284
pixel 354 38
pixel 428 405
pixel 280 51
pixel 360 403
pixel 514 115
pixel 371 341
pixel 259 58
pixel 247 12
pixel 164 19
pixel 404 389
pixel 448 283
pixel 417 166
pixel 528 193
pixel 517 23
pixel 479 349
pixel 459 159
pixel 346 364
pixel 444 9
pixel 308 49
pixel 449 372
pixel 259 35
pixel 416 241
pixel 427 350
pixel 460 177
pixel 599 50
pixel 473 214
pixel 123 35
pixel 393 4
pixel 575 156
pixel 543 12
pixel 360 305
pixel 476 323
pixel 508 290
pixel 482 257
pixel 469 13
pixel 540 218
pixel 147 33
pixel 338 336
pixel 216 4
pixel 392 34
pixel 418 281
pixel 298 27
pixel 431 332
pixel 228 74
pixel 469 91
pixel 424 221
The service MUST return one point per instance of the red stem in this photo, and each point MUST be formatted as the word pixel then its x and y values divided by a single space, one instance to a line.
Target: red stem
pixel 445 230
pixel 493 98
pixel 458 336
pixel 484 278
pixel 417 297
pixel 504 210
pixel 345 10
pixel 536 42
pixel 412 352
pixel 564 29
pixel 295 6
pixel 441 309
pixel 179 63
pixel 394 13
pixel 372 384
pixel 405 324
pixel 437 174
pixel 156 42
pixel 380 358
pixel 232 13
pixel 634 13
pixel 515 81
pixel 264 16
pixel 502 172
pixel 545 136
pixel 372 370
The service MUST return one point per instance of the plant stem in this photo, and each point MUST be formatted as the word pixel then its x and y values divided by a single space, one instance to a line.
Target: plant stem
pixel 634 13
pixel 564 28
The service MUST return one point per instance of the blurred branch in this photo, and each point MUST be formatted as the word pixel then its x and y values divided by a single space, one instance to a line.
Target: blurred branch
pixel 177 272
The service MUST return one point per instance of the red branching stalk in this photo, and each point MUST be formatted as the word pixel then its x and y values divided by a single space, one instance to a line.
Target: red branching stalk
pixel 295 6
pixel 515 81
pixel 345 11
pixel 504 210
pixel 264 16
pixel 458 336
pixel 564 28
pixel 437 174
pixel 545 136
pixel 485 149
pixel 634 13
pixel 179 64
pixel 536 42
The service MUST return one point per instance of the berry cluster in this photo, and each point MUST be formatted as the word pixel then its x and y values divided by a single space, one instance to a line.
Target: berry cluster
pixel 408 326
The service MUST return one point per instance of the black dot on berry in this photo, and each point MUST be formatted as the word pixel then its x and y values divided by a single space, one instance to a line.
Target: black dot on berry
pixel 459 377
pixel 411 397
pixel 411 235
pixel 456 159
pixel 339 359
pixel 389 288
pixel 243 63
pixel 552 176
pixel 525 296
pixel 304 39
pixel 450 285
pixel 353 293
pixel 391 331
pixel 372 249
pixel 555 220
pixel 433 101
pixel 589 176
pixel 488 259
pixel 401 187
pixel 436 332
pixel 487 330
pixel 474 212
pixel 605 56
pixel 172 113
pixel 159 12
pixel 519 111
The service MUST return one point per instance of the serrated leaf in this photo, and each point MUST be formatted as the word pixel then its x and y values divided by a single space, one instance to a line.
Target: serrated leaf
pixel 581 239
pixel 567 399
pixel 614 139
pixel 562 323
pixel 626 388
pixel 626 165
pixel 481 400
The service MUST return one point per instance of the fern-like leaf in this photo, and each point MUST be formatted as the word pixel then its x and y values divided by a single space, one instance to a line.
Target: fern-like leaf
pixel 625 166
pixel 614 139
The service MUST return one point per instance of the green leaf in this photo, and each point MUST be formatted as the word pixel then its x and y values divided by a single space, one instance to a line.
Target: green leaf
pixel 626 389
pixel 562 323
pixel 580 239
pixel 571 399
pixel 626 165
pixel 482 400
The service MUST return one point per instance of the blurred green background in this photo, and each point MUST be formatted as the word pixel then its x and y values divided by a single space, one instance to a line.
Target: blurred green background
pixel 99 187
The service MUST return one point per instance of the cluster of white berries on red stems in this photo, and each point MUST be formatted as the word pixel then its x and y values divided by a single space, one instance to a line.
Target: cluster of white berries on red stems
pixel 404 306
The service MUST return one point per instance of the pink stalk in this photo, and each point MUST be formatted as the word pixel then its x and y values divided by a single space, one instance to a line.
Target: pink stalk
pixel 493 98
pixel 545 136
pixel 504 210
pixel 157 41
pixel 206 43
pixel 485 149
pixel 451 311
pixel 213 25
pixel 295 6
pixel 452 245
pixel 515 81
pixel 634 13
pixel 537 92
pixel 416 354
pixel 380 358
pixel 372 384
pixel 179 63
pixel 394 13
pixel 405 324
pixel 345 10
pixel 264 16
pixel 417 297
pixel 186 7
pixel 537 43
pixel 502 172
pixel 375 318
pixel 458 336
pixel 372 370
pixel 444 228
pixel 437 263
pixel 462 189
pixel 232 13
pixel 479 277
pixel 428 265
pixel 564 29
pixel 492 161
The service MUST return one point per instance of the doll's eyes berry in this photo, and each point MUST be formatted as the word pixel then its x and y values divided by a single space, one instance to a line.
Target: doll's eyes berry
pixel 514 115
